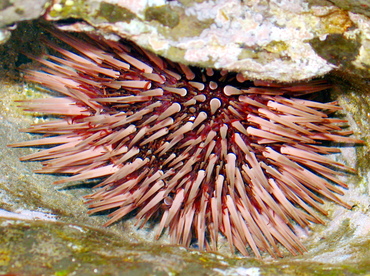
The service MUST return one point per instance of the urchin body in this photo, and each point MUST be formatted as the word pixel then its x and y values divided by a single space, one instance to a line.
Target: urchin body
pixel 206 151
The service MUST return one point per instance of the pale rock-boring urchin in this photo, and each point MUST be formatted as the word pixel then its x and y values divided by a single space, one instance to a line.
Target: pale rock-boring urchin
pixel 203 151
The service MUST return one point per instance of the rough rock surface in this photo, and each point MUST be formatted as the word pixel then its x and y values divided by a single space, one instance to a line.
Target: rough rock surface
pixel 278 40
pixel 13 11
pixel 358 6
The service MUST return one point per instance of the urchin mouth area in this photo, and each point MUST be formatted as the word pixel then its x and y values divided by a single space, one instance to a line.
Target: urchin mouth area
pixel 207 150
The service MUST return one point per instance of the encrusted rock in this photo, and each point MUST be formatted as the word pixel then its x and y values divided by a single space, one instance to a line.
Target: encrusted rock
pixel 12 11
pixel 273 40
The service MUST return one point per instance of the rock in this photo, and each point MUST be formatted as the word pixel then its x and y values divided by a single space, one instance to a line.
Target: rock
pixel 270 40
pixel 359 6
pixel 13 11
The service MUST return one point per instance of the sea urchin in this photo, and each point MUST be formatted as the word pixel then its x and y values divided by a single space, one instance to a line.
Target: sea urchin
pixel 204 151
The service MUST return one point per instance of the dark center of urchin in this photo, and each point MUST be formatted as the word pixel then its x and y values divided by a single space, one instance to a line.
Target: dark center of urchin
pixel 206 151
pixel 187 111
pixel 194 114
